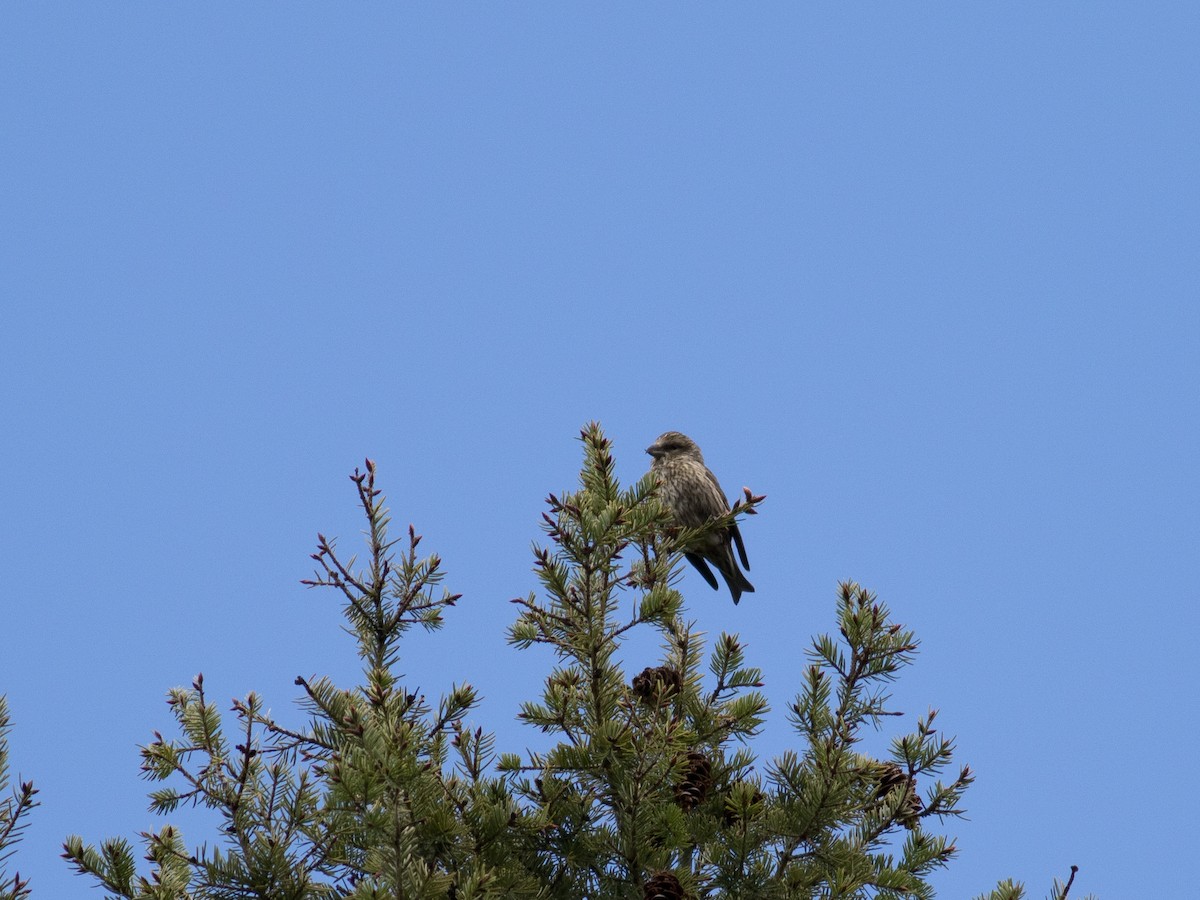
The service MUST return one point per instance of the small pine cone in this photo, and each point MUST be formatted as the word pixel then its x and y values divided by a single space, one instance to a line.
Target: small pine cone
pixel 656 684
pixel 731 816
pixel 891 777
pixel 663 886
pixel 913 807
pixel 696 782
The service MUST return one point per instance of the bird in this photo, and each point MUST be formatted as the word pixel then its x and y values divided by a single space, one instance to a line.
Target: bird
pixel 695 498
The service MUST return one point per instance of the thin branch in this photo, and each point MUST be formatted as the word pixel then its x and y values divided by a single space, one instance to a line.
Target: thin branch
pixel 1070 881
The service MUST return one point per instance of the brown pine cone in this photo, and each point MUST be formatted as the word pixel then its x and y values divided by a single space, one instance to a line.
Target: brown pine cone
pixel 657 684
pixel 731 815
pixel 663 886
pixel 891 777
pixel 693 787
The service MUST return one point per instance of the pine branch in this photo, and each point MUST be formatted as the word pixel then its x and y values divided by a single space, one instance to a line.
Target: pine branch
pixel 14 814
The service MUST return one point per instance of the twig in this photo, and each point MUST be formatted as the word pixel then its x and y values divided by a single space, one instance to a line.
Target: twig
pixel 1070 881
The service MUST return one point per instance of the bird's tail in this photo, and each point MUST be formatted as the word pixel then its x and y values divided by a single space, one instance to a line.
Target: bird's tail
pixel 738 584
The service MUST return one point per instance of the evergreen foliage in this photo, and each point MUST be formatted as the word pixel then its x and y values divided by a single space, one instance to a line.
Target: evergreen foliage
pixel 14 814
pixel 649 789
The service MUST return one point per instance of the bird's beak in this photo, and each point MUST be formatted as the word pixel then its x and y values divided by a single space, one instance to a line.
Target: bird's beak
pixel 653 450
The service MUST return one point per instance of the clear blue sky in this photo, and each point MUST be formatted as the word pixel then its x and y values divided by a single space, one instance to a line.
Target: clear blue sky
pixel 926 275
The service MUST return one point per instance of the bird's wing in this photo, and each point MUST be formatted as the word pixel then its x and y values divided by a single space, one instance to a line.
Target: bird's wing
pixel 737 539
pixel 702 567
pixel 717 498
pixel 720 506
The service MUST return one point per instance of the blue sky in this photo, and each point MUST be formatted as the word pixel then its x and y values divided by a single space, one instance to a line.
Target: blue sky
pixel 923 274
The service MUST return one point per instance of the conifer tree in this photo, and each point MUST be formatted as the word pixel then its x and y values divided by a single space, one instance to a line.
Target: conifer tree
pixel 649 790
pixel 653 786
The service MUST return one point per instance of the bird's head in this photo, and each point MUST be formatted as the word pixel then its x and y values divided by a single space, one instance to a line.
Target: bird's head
pixel 673 444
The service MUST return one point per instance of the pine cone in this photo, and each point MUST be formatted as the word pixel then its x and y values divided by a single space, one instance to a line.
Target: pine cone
pixel 731 815
pixel 891 777
pixel 663 886
pixel 657 684
pixel 913 806
pixel 696 782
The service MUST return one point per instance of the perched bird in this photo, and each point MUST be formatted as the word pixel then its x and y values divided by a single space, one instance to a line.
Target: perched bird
pixel 695 497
